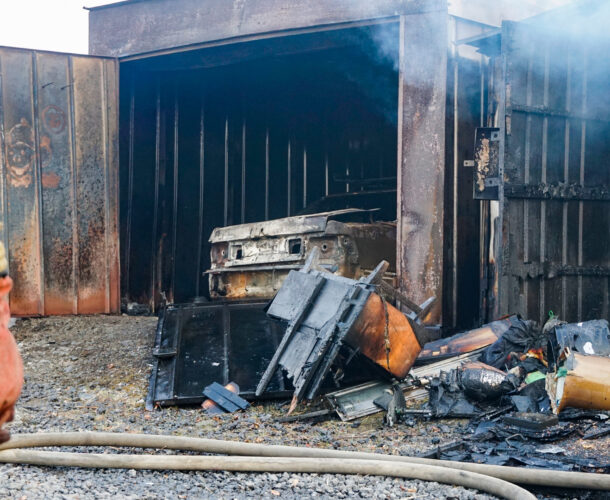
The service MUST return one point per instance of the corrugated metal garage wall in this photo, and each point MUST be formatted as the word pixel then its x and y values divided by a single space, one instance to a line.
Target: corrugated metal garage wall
pixel 59 186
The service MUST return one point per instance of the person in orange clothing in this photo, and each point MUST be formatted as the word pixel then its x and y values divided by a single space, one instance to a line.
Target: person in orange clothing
pixel 11 366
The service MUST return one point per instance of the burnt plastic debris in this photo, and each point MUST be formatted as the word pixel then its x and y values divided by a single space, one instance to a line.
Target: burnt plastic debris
pixel 485 383
pixel 532 421
pixel 590 337
pixel 323 312
pixel 457 393
pixel 532 398
pixel 497 449
pixel 522 336
pixel 446 397
pixel 598 431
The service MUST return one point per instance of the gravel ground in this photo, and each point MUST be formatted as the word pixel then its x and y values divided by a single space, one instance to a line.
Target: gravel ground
pixel 91 373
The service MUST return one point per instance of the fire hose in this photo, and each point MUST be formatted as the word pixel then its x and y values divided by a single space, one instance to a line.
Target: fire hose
pixel 496 480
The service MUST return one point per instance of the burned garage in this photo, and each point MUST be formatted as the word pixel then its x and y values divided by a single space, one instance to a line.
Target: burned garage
pixel 347 218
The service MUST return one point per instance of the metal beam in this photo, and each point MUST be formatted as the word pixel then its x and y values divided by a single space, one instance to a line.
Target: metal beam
pixel 141 27
pixel 421 156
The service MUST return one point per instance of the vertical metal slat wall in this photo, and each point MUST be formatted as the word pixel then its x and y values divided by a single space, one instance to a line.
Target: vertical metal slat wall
pixel 59 182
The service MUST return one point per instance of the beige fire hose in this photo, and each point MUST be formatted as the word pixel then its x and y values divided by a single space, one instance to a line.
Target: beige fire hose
pixel 496 480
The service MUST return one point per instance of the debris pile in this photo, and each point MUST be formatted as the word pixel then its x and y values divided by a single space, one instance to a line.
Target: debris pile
pixel 354 346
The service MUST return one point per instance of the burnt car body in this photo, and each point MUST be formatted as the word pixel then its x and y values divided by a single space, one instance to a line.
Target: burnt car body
pixel 252 260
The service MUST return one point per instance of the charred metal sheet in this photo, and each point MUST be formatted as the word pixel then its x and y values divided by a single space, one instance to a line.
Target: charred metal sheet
pixel 465 342
pixel 358 401
pixel 253 260
pixel 58 118
pixel 486 163
pixel 197 344
pixel 21 181
pixel 323 311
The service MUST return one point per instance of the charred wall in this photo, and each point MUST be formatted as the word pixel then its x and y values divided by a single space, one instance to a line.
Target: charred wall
pixel 552 248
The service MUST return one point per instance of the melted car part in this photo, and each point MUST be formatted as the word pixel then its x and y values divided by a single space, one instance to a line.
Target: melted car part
pixel 253 260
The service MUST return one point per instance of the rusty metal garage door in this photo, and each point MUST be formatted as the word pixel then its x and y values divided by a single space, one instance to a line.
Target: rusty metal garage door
pixel 58 206
pixel 553 246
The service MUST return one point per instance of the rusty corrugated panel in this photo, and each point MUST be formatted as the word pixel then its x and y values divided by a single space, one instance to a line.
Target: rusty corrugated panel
pixel 21 179
pixel 57 183
pixel 421 155
pixel 58 115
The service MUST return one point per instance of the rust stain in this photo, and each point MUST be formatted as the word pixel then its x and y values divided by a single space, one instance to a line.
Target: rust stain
pixel 58 303
pixel 54 119
pixel 50 180
pixel 59 278
pixel 92 271
pixel 20 154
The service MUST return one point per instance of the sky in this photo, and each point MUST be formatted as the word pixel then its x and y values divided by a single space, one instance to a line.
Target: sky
pixel 58 25
pixel 62 25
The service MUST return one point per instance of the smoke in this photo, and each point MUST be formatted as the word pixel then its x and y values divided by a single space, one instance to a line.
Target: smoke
pixel 581 20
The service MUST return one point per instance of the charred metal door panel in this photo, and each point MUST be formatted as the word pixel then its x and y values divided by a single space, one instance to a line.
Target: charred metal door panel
pixel 200 343
pixel 58 133
pixel 554 244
